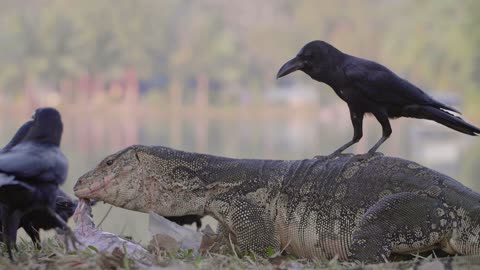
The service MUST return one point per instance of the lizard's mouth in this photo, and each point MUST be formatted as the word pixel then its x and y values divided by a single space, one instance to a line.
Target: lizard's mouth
pixel 92 189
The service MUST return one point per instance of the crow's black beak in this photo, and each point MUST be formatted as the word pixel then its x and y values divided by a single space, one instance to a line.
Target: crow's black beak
pixel 289 67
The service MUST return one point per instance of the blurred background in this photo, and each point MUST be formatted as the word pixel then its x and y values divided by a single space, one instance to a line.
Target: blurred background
pixel 200 76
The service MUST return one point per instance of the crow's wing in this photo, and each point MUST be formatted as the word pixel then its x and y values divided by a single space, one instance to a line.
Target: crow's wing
pixel 19 135
pixel 30 160
pixel 382 86
pixel 13 191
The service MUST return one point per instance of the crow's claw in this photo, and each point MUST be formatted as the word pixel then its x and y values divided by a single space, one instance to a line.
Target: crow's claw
pixel 366 156
pixel 69 235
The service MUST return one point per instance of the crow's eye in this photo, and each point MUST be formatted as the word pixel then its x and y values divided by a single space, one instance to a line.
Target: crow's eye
pixel 109 162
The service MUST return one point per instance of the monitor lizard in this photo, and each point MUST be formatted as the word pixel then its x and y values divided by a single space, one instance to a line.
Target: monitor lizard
pixel 355 209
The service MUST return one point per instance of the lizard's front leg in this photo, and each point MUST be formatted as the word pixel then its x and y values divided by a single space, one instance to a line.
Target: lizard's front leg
pixel 251 225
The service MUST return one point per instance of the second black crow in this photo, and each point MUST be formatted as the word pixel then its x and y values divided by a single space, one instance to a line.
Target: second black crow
pixel 35 220
pixel 38 219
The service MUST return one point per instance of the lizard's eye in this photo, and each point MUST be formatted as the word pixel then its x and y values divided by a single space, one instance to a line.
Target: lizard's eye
pixel 109 162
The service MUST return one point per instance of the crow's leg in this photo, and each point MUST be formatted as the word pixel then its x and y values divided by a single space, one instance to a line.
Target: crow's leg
pixel 68 232
pixel 357 122
pixel 34 235
pixel 10 227
pixel 5 239
pixel 382 117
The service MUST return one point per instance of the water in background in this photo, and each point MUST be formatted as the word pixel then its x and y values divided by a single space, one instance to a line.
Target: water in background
pixel 278 132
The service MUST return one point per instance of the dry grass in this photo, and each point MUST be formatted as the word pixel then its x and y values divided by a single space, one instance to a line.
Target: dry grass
pixel 53 256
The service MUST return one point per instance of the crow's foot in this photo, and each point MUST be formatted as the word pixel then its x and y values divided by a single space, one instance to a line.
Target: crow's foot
pixel 70 237
pixel 367 156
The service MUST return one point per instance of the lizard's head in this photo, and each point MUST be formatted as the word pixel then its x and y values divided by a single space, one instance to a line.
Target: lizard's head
pixel 116 178
pixel 146 179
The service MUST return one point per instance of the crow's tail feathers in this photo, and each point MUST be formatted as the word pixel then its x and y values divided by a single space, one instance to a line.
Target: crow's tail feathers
pixel 440 105
pixel 441 117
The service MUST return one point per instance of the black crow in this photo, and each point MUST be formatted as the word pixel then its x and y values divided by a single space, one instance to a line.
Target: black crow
pixel 30 173
pixel 38 219
pixel 369 87
pixel 33 221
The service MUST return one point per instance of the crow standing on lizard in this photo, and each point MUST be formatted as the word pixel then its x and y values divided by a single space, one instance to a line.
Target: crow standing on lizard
pixel 369 87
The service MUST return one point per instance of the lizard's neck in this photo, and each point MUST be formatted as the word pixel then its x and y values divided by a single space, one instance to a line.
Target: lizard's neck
pixel 181 183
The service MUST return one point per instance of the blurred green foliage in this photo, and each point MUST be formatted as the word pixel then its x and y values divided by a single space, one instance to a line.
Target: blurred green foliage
pixel 237 43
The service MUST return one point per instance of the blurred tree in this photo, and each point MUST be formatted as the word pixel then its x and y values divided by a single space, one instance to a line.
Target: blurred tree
pixel 237 44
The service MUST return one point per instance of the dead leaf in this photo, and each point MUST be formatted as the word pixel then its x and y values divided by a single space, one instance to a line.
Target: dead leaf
pixel 208 240
pixel 163 242
pixel 108 261
pixel 118 253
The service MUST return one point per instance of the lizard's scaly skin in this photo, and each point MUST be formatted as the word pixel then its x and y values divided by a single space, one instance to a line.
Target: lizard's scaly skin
pixel 343 207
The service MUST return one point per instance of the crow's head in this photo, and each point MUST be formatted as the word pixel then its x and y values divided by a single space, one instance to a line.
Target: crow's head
pixel 314 59
pixel 47 127
pixel 64 205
